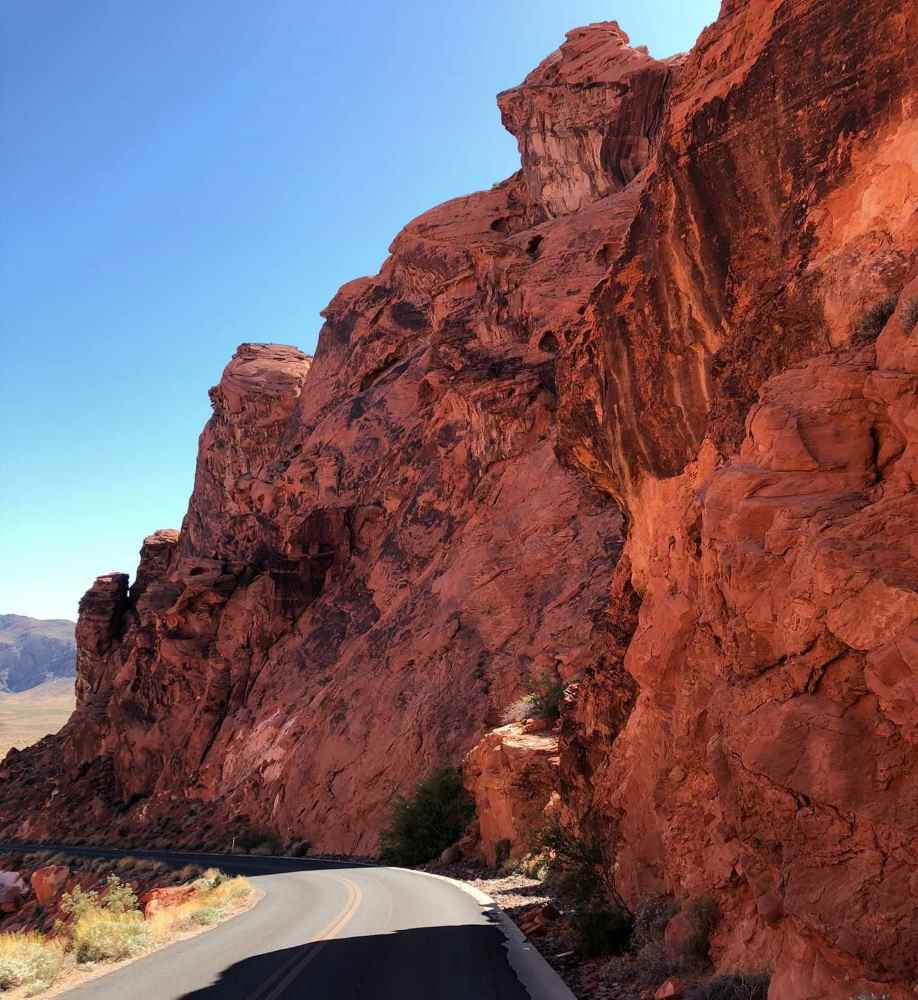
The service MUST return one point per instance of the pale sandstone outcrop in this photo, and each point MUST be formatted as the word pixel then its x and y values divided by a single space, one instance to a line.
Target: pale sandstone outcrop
pixel 512 774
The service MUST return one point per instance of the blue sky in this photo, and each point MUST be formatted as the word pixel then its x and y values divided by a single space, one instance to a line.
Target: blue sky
pixel 183 175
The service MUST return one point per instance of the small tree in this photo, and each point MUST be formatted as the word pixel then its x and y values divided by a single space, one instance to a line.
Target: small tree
pixel 580 871
pixel 423 825
pixel 582 875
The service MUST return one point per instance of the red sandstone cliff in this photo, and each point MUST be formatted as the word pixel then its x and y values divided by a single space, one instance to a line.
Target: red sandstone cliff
pixel 616 417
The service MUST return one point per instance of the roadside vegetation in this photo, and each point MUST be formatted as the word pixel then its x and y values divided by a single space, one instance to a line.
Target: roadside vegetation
pixel 29 960
pixel 107 925
pixel 432 818
pixel 636 948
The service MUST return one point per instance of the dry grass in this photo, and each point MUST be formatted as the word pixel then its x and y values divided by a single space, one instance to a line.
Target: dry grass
pixel 29 716
pixel 216 896
pixel 103 936
pixel 30 961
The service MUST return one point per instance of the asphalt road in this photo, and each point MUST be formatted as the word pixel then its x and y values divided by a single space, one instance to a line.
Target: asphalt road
pixel 330 931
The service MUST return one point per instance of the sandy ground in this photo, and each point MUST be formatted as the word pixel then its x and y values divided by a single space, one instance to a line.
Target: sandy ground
pixel 28 716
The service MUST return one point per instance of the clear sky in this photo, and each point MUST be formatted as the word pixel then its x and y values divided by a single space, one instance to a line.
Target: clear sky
pixel 180 176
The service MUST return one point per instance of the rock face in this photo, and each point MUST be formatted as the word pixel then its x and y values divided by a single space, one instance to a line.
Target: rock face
pixel 512 775
pixel 643 415
pixel 33 651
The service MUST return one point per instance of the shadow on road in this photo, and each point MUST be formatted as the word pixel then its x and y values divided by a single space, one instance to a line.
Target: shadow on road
pixel 464 962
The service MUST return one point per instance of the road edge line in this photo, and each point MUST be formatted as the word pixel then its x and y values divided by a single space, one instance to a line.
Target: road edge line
pixel 539 979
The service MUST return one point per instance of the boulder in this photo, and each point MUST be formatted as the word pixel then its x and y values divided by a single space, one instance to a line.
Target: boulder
pixel 672 989
pixel 48 882
pixel 14 891
pixel 163 898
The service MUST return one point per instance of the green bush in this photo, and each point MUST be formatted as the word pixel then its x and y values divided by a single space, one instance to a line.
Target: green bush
pixel 542 702
pixel 574 867
pixel 546 697
pixel 79 902
pixel 119 897
pixel 423 825
pixel 602 930
pixel 871 323
pixel 740 986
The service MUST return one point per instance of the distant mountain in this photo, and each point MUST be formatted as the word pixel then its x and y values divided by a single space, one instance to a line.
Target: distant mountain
pixel 34 651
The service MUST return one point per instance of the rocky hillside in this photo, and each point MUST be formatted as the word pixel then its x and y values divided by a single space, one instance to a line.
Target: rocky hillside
pixel 642 415
pixel 34 651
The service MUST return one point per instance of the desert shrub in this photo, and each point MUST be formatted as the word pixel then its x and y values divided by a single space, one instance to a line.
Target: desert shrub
pixel 109 936
pixel 423 825
pixel 546 696
pixel 28 960
pixel 602 930
pixel 79 902
pixel 232 889
pixel 208 881
pixel 654 965
pixel 299 848
pixel 909 322
pixel 740 986
pixel 645 968
pixel 650 919
pixel 872 321
pixel 118 896
pixel 259 842
pixel 704 916
pixel 206 916
pixel 577 871
pixel 502 851
pixel 542 702
pixel 534 865
pixel 520 710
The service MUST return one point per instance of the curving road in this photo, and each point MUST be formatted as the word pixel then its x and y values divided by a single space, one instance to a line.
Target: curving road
pixel 331 930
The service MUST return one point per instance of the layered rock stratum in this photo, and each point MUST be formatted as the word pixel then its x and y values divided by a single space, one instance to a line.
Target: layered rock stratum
pixel 644 416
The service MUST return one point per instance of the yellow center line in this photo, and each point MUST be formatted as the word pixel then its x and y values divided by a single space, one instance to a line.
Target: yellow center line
pixel 294 968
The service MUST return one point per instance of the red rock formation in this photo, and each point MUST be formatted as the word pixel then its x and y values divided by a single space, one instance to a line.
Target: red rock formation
pixel 367 571
pixel 384 544
pixel 164 897
pixel 770 755
pixel 48 883
pixel 512 774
